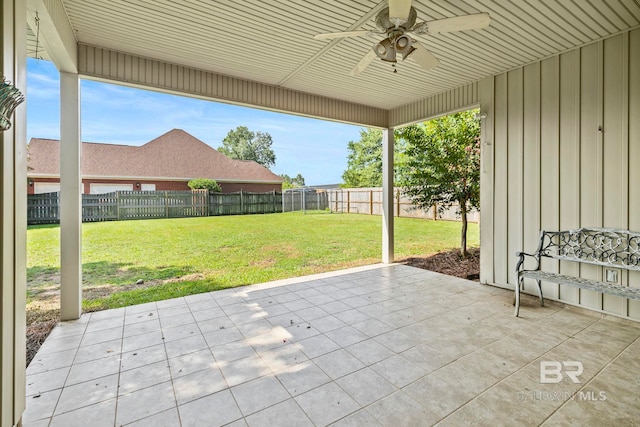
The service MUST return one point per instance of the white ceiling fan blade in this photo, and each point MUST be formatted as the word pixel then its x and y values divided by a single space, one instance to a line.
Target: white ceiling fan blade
pixel 423 57
pixel 459 23
pixel 331 36
pixel 399 10
pixel 364 63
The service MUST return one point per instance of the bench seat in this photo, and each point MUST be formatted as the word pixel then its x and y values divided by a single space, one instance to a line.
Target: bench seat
pixel 579 282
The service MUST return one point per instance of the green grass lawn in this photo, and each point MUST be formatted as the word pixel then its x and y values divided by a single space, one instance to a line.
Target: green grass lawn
pixel 183 256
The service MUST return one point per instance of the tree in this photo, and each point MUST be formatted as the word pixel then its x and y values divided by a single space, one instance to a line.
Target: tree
pixel 204 184
pixel 242 144
pixel 364 162
pixel 443 165
pixel 295 182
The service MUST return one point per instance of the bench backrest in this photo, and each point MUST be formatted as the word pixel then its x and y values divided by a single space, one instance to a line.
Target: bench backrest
pixel 598 246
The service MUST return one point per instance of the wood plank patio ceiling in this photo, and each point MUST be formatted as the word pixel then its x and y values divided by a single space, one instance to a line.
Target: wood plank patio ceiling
pixel 271 41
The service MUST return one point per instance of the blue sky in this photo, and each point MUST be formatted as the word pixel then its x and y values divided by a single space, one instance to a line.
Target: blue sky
pixel 121 115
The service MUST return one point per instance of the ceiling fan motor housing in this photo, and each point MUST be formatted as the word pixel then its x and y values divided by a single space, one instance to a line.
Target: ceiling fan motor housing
pixel 384 23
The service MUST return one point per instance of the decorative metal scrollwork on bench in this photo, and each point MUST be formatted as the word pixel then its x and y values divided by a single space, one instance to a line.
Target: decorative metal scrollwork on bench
pixel 598 246
pixel 605 247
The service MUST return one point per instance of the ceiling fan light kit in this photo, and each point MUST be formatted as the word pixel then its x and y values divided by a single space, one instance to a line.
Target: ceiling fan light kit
pixel 398 21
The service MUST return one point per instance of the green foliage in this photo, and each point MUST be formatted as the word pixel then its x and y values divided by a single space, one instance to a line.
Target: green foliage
pixel 295 182
pixel 242 144
pixel 204 184
pixel 443 164
pixel 364 161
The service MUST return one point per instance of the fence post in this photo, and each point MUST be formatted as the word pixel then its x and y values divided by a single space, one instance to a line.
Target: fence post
pixel 370 202
pixel 398 202
pixel 435 212
pixel 241 203
pixel 118 204
pixel 166 204
pixel 348 201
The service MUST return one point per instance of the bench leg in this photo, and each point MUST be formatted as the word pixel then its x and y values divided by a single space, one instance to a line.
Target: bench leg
pixel 540 293
pixel 517 301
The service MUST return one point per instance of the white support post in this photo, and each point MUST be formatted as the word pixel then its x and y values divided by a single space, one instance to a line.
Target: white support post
pixel 387 196
pixel 70 198
pixel 13 219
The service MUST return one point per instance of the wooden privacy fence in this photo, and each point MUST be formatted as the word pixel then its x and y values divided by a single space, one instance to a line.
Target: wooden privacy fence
pixel 369 201
pixel 123 205
pixel 304 199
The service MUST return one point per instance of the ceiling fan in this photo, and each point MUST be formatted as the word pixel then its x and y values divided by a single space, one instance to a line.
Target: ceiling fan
pixel 398 21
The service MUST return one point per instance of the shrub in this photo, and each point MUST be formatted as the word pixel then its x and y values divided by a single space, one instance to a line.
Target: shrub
pixel 204 184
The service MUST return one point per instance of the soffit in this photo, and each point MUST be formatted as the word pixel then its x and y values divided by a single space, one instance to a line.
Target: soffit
pixel 271 41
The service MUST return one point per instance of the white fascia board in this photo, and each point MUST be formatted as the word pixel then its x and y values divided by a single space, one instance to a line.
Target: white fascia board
pixel 55 33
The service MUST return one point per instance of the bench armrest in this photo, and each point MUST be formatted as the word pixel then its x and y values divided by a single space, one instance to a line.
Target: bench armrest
pixel 521 255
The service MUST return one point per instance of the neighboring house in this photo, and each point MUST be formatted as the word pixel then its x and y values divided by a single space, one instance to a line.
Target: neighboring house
pixel 168 162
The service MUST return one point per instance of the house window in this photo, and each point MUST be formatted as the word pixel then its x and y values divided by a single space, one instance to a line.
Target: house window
pixel 110 188
pixel 148 187
pixel 46 187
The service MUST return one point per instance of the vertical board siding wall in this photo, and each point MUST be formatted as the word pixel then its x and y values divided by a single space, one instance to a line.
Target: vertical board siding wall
pixel 561 145
pixel 148 73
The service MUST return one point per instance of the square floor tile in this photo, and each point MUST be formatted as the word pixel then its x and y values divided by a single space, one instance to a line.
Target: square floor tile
pixel 283 357
pixel 370 351
pixel 87 393
pixel 185 346
pixel 346 336
pixel 137 342
pixel 303 377
pixel 81 372
pixel 317 346
pixel 243 370
pixel 144 356
pixel 191 362
pixel 143 377
pixel 258 394
pixel 97 415
pixel 212 410
pixel 41 406
pixel 326 404
pixel 198 384
pixel 285 414
pixel 46 381
pixel 366 386
pixel 144 403
pixel 399 371
pixel 168 418
pixel 338 363
pixel 398 409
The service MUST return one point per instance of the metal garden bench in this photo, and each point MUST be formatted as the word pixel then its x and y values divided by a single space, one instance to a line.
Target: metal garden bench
pixel 597 246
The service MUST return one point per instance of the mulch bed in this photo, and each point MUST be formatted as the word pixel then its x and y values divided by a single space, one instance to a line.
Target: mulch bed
pixel 41 322
pixel 450 263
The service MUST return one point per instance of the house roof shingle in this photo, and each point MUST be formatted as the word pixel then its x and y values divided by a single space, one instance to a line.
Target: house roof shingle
pixel 173 155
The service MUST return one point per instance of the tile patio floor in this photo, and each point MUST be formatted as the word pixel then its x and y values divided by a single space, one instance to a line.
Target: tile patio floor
pixel 380 345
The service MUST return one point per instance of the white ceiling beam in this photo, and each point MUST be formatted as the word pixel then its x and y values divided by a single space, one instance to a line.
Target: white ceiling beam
pixel 48 20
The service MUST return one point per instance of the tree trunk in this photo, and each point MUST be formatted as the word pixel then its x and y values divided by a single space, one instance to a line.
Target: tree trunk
pixel 463 234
